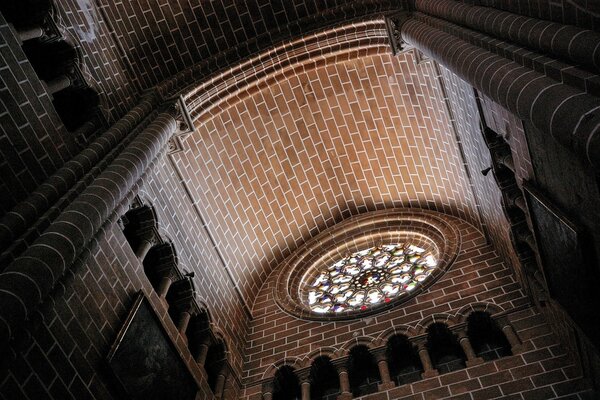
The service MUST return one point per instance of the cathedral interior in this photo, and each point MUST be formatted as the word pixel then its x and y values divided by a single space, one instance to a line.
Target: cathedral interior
pixel 300 199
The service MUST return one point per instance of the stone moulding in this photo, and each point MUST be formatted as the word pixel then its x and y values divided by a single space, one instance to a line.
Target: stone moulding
pixel 429 229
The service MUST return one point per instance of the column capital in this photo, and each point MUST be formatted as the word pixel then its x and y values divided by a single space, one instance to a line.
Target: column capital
pixel 394 28
pixel 303 374
pixel 340 364
pixel 380 354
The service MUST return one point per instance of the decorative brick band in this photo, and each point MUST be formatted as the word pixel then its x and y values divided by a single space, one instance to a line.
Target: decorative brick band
pixel 342 43
pixel 426 229
pixel 30 278
pixel 570 42
pixel 570 116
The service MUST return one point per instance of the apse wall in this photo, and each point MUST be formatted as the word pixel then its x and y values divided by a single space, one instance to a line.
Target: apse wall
pixel 478 279
pixel 276 168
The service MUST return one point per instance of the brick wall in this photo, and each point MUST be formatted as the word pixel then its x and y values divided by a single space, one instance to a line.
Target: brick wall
pixel 131 46
pixel 541 370
pixel 33 141
pixel 477 156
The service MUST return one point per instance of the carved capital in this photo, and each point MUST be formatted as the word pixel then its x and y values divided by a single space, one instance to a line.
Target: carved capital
pixel 394 28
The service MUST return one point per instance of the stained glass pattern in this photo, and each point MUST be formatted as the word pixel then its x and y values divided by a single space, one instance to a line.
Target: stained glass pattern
pixel 369 277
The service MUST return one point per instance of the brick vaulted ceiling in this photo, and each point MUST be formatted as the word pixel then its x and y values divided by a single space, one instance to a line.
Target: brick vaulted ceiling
pixel 308 149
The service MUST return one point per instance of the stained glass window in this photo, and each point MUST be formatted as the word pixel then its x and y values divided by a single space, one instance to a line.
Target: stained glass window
pixel 369 277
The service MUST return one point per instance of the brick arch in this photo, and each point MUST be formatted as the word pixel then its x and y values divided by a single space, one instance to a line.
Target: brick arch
pixel 222 90
pixel 447 319
pixel 328 351
pixel 294 362
pixel 386 335
pixel 463 313
pixel 368 341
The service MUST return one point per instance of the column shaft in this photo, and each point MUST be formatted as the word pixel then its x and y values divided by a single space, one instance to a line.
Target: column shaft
pixel 184 320
pixel 202 353
pixel 344 382
pixel 164 285
pixel 306 390
pixel 472 358
pixel 58 84
pixel 31 33
pixel 428 370
pixel 220 385
pixel 144 248
pixel 512 338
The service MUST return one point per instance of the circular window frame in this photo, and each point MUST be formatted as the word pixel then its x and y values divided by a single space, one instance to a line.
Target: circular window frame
pixel 423 228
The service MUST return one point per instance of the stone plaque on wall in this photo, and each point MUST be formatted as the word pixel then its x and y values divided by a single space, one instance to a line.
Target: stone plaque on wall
pixel 566 261
pixel 145 361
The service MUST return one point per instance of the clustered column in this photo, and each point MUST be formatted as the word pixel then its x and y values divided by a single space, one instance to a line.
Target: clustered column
pixel 31 277
pixel 564 112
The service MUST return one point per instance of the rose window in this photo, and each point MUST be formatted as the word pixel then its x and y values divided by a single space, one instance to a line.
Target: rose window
pixel 369 277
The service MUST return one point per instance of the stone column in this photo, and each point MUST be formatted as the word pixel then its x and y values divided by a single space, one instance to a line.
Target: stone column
pixel 342 370
pixel 203 351
pixel 465 343
pixel 384 371
pixel 581 46
pixel 565 113
pixel 145 245
pixel 26 282
pixel 184 320
pixel 515 344
pixel 220 384
pixel 304 377
pixel 164 285
pixel 428 370
pixel 31 33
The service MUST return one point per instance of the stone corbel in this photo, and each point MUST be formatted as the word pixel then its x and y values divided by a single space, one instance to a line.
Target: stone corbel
pixel 185 124
pixel 393 24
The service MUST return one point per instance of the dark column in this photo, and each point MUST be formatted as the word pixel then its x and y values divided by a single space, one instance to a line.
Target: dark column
pixel 572 117
pixel 513 339
pixel 220 384
pixel 304 377
pixel 267 391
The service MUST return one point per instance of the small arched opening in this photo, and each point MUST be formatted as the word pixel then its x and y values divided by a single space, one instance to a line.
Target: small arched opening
pixel 446 353
pixel 324 379
pixel 286 385
pixel 486 338
pixel 403 360
pixel 362 371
